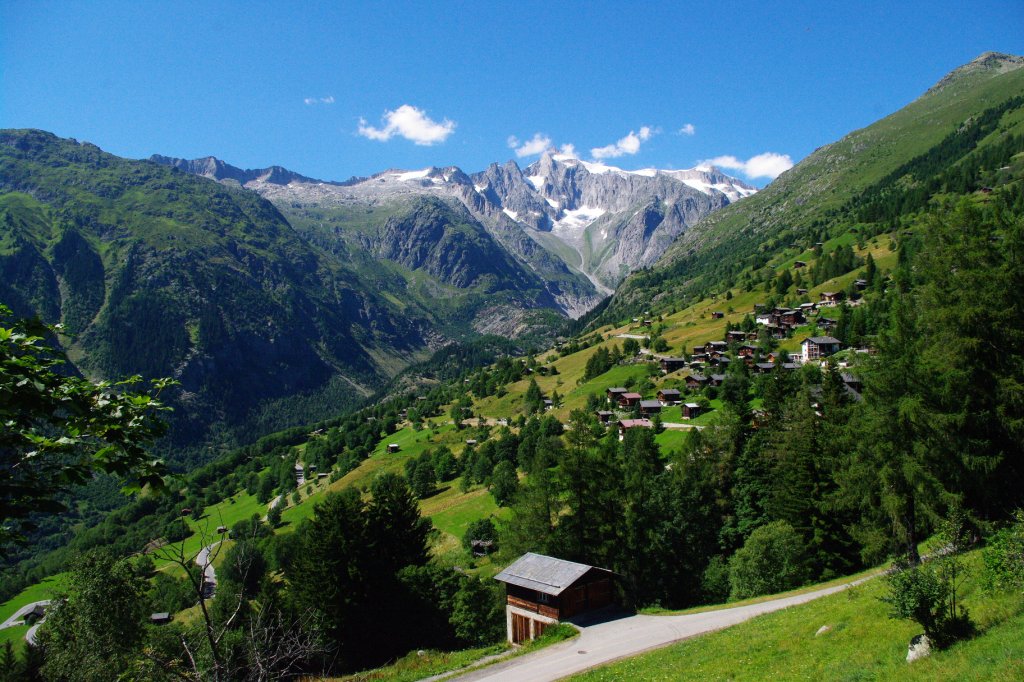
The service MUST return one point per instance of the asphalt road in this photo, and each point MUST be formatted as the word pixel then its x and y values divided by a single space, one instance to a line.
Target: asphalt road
pixel 611 640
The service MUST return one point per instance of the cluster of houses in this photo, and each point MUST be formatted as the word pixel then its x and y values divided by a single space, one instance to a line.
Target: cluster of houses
pixel 625 399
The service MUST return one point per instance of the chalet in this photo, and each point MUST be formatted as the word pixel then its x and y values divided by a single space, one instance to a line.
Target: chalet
pixel 816 347
pixel 697 350
pixel 221 530
pixel 791 318
pixel 613 394
pixel 393 447
pixel 723 361
pixel 669 396
pixel 322 474
pixel 831 298
pixel 626 424
pixel 808 308
pixel 669 364
pixel 162 618
pixel 763 318
pixel 790 366
pixel 691 410
pixel 695 382
pixel 764 367
pixel 799 264
pixel 801 292
pixel 746 350
pixel 604 416
pixel 548 404
pixel 470 442
pixel 826 323
pixel 861 284
pixel 541 591
pixel 629 399
pixel 699 357
pixel 717 379
pixel 650 406
pixel 736 335
pixel 759 307
pixel 720 346
pixel 717 315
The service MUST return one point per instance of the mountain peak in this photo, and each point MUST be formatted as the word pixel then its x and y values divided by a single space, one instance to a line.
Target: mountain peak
pixel 987 64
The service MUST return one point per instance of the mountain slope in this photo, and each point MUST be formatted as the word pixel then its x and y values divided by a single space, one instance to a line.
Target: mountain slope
pixel 820 195
pixel 545 217
pixel 160 273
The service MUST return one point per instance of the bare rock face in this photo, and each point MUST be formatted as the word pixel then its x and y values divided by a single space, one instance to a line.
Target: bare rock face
pixel 920 647
pixel 579 227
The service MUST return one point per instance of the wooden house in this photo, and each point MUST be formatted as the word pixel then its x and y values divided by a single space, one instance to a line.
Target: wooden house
pixel 717 315
pixel 548 404
pixel 746 350
pixel 830 298
pixel 541 591
pixel 669 364
pixel 393 447
pixel 852 382
pixel 691 410
pixel 720 346
pixel 735 335
pixel 613 394
pixel 799 264
pixel 791 318
pixel 861 284
pixel 717 379
pixel 764 367
pixel 604 416
pixel 650 407
pixel 162 618
pixel 816 347
pixel 669 396
pixel 470 442
pixel 695 382
pixel 629 399
pixel 626 424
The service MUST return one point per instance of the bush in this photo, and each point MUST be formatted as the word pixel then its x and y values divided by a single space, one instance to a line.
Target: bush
pixel 481 529
pixel 924 595
pixel 714 583
pixel 1004 557
pixel 772 560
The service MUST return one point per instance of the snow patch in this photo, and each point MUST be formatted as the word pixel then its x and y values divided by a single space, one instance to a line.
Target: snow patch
pixel 552 203
pixel 537 181
pixel 480 188
pixel 574 222
pixel 511 214
pixel 411 175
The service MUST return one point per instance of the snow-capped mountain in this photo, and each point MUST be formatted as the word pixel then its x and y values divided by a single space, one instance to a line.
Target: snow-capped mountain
pixel 580 226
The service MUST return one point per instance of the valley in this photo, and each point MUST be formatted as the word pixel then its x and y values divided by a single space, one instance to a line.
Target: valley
pixel 786 387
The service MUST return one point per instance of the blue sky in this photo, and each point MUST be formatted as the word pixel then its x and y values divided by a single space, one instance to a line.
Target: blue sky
pixel 336 89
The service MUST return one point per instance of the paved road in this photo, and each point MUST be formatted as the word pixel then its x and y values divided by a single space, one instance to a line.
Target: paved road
pixel 611 640
pixel 204 562
pixel 19 615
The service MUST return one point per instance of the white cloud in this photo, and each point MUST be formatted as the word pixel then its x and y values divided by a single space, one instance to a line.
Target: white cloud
pixel 630 144
pixel 309 101
pixel 767 165
pixel 687 129
pixel 568 150
pixel 411 123
pixel 538 144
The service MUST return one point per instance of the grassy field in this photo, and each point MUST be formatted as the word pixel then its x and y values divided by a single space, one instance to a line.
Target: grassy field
pixel 44 589
pixel 863 644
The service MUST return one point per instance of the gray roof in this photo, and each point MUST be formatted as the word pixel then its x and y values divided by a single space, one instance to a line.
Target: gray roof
pixel 544 573
pixel 822 339
pixel 650 403
pixel 163 615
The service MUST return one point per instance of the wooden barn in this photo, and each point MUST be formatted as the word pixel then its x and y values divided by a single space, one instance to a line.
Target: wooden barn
pixel 542 591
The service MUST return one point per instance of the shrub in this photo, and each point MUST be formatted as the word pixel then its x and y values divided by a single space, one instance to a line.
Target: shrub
pixel 1004 557
pixel 771 560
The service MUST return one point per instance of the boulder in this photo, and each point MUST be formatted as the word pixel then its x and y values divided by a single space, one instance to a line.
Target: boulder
pixel 822 630
pixel 920 646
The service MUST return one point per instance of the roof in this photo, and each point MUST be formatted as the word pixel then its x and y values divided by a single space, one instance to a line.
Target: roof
pixel 616 389
pixel 630 423
pixel 669 358
pixel 692 405
pixel 649 403
pixel 632 396
pixel 821 340
pixel 163 615
pixel 718 377
pixel 544 573
pixel 669 391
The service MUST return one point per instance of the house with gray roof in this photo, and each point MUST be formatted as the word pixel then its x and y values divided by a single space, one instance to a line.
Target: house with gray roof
pixel 541 591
